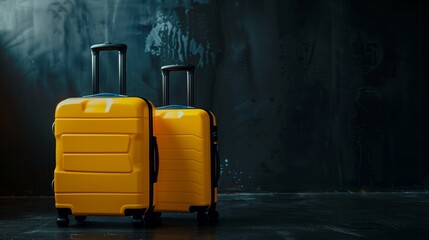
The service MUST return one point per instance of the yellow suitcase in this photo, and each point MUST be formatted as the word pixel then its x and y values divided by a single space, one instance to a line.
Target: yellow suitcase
pixel 188 154
pixel 106 154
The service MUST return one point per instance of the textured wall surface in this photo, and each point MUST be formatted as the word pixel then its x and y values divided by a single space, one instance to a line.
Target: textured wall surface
pixel 309 95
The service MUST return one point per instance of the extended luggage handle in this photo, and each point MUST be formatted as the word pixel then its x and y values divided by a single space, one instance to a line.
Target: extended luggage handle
pixel 122 50
pixel 166 82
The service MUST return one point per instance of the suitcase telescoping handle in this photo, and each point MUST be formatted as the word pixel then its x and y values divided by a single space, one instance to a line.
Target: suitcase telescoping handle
pixel 166 83
pixel 122 50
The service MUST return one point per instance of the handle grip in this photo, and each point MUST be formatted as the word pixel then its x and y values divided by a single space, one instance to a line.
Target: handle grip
pixel 166 82
pixel 176 67
pixel 122 50
pixel 107 46
pixel 156 160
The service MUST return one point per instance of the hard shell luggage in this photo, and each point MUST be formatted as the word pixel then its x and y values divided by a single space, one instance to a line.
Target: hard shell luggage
pixel 106 154
pixel 188 154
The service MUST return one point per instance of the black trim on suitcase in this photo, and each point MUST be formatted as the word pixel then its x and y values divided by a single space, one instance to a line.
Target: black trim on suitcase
pixel 152 157
pixel 214 164
pixel 214 161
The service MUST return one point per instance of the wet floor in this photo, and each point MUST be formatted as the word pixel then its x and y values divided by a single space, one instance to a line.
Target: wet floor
pixel 242 216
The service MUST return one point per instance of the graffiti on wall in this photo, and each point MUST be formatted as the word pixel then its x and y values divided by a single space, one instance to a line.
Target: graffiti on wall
pixel 174 38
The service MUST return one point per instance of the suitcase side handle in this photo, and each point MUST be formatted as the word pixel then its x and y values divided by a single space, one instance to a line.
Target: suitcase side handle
pixel 122 50
pixel 166 82
pixel 156 159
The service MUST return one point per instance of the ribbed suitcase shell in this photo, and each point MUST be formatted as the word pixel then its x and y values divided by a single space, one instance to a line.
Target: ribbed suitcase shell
pixel 103 155
pixel 185 153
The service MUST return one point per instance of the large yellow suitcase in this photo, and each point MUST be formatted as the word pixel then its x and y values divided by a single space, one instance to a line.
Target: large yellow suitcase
pixel 188 153
pixel 106 154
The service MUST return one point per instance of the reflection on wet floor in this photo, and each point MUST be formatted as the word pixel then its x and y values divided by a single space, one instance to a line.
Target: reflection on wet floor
pixel 242 216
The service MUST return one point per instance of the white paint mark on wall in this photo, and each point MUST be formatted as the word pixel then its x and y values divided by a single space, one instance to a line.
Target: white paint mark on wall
pixel 168 39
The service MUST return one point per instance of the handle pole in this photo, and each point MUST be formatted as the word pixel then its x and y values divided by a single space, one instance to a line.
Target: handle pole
pixel 95 73
pixel 190 88
pixel 122 73
pixel 165 88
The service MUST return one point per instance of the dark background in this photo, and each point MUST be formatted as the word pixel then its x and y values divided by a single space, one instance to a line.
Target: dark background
pixel 309 95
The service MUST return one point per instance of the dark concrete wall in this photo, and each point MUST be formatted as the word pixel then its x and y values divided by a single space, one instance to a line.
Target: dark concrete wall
pixel 309 95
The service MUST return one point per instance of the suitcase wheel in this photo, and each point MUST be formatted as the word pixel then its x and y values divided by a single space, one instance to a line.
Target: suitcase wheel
pixel 138 221
pixel 62 221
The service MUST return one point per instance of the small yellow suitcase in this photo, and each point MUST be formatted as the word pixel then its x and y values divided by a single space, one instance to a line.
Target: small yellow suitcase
pixel 188 154
pixel 106 154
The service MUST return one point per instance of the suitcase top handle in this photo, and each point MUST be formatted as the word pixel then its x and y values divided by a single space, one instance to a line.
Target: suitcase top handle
pixel 166 83
pixel 122 50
